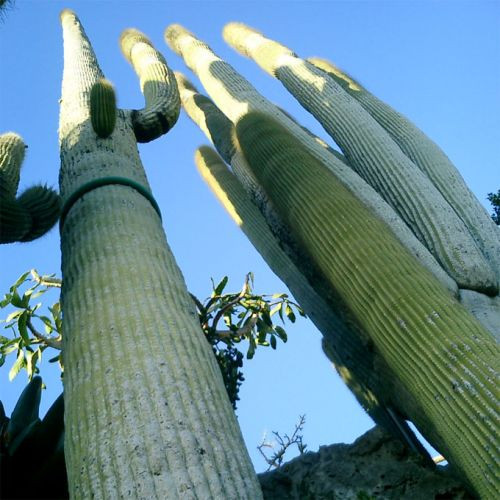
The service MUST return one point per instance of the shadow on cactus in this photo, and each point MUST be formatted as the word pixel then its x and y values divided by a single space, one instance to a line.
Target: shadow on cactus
pixel 34 212
pixel 33 447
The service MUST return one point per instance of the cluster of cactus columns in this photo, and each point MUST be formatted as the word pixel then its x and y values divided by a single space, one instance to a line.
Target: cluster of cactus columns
pixel 385 247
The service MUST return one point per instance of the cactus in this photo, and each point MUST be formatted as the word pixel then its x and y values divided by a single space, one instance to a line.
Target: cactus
pixel 360 268
pixel 103 108
pixel 378 159
pixel 35 211
pixel 436 372
pixel 235 97
pixel 149 418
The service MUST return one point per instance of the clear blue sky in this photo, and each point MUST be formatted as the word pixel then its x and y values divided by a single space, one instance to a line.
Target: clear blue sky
pixel 435 61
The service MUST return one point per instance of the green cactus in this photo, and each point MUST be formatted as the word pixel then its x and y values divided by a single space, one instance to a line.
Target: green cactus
pixel 380 161
pixel 439 351
pixel 188 441
pixel 103 108
pixel 157 84
pixel 34 212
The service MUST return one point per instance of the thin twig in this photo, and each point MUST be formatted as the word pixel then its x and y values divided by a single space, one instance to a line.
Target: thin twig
pixel 46 280
pixel 241 332
pixel 56 344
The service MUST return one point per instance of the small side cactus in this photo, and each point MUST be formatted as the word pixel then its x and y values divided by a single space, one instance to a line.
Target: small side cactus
pixel 34 212
pixel 103 108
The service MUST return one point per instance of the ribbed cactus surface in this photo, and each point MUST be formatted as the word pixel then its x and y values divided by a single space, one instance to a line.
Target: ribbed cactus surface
pixel 235 97
pixel 427 156
pixel 103 108
pixel 147 415
pixel 439 351
pixel 378 159
pixel 344 342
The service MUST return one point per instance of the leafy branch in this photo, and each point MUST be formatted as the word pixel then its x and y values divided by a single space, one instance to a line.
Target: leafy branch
pixel 225 318
pixel 26 341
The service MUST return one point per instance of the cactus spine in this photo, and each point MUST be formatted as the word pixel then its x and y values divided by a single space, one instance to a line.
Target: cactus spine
pixel 103 108
pixel 35 211
pixel 439 351
pixel 146 411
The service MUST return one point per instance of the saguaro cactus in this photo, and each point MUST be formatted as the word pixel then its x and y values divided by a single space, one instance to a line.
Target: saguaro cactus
pixel 32 213
pixel 146 411
pixel 428 352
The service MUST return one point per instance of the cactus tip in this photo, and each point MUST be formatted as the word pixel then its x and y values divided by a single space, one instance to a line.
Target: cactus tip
pixel 173 33
pixel 129 38
pixel 67 14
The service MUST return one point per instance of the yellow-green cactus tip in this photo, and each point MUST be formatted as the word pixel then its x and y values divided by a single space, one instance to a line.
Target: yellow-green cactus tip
pixel 129 38
pixel 173 34
pixel 234 31
pixel 103 108
pixel 67 14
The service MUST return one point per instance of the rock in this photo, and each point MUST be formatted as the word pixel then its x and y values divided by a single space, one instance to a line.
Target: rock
pixel 375 466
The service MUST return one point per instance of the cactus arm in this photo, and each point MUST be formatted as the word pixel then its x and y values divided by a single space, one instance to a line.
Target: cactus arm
pixel 157 84
pixel 146 412
pixel 12 149
pixel 43 205
pixel 375 157
pixel 429 157
pixel 441 353
pixel 235 96
pixel 103 108
pixel 35 211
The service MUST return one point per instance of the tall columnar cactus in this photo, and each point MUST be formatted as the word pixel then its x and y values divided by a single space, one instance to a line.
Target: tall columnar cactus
pixel 377 157
pixel 438 350
pixel 344 342
pixel 146 412
pixel 235 97
pixel 349 350
pixel 424 348
pixel 35 211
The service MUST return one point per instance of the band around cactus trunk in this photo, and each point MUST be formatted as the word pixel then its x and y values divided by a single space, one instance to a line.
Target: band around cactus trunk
pixel 146 411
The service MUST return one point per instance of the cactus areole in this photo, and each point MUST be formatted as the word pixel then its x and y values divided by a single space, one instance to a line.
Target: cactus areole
pixel 146 411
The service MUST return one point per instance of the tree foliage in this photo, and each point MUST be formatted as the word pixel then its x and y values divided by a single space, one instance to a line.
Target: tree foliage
pixel 229 321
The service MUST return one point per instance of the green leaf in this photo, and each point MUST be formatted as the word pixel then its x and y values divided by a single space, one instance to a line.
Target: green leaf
pixel 6 300
pixel 49 327
pixel 220 287
pixel 23 330
pixel 2 359
pixel 17 366
pixel 290 314
pixel 16 300
pixel 21 279
pixel 13 315
pixel 31 360
pixel 273 341
pixel 281 333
